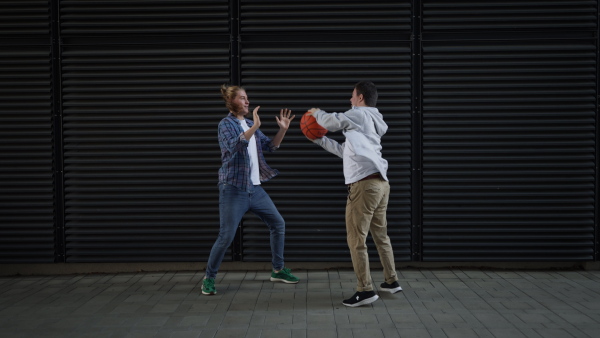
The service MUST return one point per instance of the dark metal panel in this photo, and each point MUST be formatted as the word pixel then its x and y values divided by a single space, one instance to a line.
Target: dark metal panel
pixel 322 17
pixel 310 192
pixel 26 180
pixel 143 17
pixel 520 15
pixel 597 145
pixel 25 19
pixel 509 150
pixel 141 151
pixel 26 167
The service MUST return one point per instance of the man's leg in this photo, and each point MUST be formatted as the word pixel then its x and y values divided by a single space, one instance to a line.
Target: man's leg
pixel 233 204
pixel 381 238
pixel 263 207
pixel 363 198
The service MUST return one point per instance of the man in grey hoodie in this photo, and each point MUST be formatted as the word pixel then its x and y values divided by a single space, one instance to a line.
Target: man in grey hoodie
pixel 368 188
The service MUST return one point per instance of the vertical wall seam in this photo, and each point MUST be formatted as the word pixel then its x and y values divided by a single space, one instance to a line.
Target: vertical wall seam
pixel 416 130
pixel 57 120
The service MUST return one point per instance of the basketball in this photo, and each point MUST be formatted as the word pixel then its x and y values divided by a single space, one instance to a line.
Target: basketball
pixel 310 128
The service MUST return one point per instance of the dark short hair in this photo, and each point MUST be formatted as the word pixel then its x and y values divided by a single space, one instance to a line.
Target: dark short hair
pixel 368 91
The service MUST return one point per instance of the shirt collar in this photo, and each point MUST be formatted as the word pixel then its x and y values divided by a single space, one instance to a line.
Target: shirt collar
pixel 233 117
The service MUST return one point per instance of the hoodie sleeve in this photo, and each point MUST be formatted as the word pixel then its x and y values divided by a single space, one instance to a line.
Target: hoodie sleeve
pixel 337 121
pixel 331 145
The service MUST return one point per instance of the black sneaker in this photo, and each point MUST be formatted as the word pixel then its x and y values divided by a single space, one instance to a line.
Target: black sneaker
pixel 391 288
pixel 361 298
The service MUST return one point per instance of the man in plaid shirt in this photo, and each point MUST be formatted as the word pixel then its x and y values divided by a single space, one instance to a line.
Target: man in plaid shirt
pixel 243 170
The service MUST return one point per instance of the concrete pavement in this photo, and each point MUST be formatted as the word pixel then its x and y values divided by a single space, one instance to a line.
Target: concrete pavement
pixel 434 303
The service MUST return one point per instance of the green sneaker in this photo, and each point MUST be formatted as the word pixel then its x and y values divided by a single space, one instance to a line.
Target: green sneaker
pixel 208 286
pixel 285 275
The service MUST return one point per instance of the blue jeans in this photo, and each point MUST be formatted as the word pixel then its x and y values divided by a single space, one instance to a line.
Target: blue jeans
pixel 233 204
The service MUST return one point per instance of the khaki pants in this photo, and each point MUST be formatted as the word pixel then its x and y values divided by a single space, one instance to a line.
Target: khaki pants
pixel 366 211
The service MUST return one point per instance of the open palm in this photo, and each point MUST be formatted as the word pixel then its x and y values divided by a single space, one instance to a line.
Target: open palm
pixel 285 118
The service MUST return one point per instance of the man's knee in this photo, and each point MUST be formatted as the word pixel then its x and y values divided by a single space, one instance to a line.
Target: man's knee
pixel 277 226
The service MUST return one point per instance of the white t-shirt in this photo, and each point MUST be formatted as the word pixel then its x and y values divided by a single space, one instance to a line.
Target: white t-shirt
pixel 253 152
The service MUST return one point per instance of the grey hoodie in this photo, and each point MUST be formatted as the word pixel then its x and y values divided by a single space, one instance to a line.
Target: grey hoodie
pixel 363 128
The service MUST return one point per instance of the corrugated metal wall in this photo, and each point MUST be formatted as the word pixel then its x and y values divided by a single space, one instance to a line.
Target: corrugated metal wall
pixel 289 61
pixel 140 107
pixel 26 169
pixel 509 107
pixel 492 109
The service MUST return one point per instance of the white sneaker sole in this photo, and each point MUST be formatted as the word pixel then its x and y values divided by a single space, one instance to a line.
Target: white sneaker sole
pixel 394 290
pixel 283 280
pixel 363 302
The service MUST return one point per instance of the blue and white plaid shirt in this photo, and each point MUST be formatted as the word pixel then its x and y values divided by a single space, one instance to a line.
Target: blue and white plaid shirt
pixel 235 169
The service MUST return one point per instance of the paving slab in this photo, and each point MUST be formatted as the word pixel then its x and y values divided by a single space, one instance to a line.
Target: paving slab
pixel 434 303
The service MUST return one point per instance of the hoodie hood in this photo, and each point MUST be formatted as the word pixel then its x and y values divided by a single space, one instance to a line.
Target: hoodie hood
pixel 372 114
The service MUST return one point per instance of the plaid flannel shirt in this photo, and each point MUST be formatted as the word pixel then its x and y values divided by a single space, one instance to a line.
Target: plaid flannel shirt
pixel 235 169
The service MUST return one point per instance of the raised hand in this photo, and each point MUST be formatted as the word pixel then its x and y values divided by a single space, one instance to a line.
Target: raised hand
pixel 285 118
pixel 255 117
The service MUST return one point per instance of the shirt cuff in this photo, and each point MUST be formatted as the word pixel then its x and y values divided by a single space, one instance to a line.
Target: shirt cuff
pixel 273 147
pixel 243 138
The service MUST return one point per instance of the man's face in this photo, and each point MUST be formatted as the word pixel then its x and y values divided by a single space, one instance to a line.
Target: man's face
pixel 355 99
pixel 241 103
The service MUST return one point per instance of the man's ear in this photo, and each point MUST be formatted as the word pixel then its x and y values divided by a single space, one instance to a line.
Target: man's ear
pixel 361 98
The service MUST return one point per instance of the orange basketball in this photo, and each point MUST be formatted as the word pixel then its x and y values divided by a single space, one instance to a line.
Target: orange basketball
pixel 310 128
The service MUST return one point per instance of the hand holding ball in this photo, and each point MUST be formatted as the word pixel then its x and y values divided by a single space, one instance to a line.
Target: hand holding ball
pixel 310 128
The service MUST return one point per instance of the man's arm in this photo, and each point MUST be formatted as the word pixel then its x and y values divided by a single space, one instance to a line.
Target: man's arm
pixel 333 121
pixel 331 146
